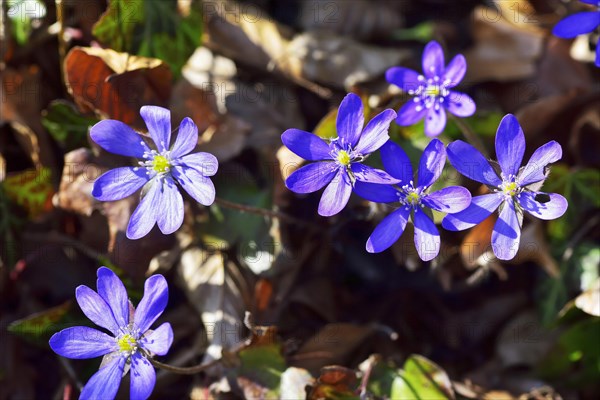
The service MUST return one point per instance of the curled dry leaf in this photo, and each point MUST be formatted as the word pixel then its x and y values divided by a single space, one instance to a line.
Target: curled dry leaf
pixel 116 85
pixel 589 301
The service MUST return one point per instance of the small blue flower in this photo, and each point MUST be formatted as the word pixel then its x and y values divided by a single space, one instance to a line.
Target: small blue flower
pixel 159 173
pixel 580 23
pixel 431 91
pixel 339 162
pixel 131 342
pixel 413 198
pixel 514 189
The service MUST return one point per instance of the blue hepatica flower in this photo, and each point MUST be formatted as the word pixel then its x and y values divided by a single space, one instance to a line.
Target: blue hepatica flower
pixel 580 23
pixel 514 189
pixel 131 342
pixel 432 90
pixel 159 172
pixel 339 162
pixel 413 198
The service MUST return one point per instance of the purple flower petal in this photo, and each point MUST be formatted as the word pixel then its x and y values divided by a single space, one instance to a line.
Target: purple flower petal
pixel 336 194
pixel 405 78
pixel 593 2
pixel 433 59
pixel 451 199
pixel 153 303
pixel 350 120
pixel 375 133
pixel 427 237
pixel 510 145
pixel 195 184
pixel 376 192
pixel 507 233
pixel 534 171
pixel 186 140
pixel 411 113
pixel 481 207
pixel 104 384
pixel 119 183
pixel 396 162
pixel 435 121
pixel 552 209
pixel 470 162
pixel 432 163
pixel 597 62
pixel 112 290
pixel 577 24
pixel 170 212
pixel 460 104
pixel 205 163
pixel 143 378
pixel 144 217
pixel 96 309
pixel 158 121
pixel 455 71
pixel 159 341
pixel 306 145
pixel 118 138
pixel 365 173
pixel 388 231
pixel 81 342
pixel 311 177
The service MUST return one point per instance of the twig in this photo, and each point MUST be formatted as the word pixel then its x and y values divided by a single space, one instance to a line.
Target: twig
pixel 185 370
pixel 264 212
pixel 470 135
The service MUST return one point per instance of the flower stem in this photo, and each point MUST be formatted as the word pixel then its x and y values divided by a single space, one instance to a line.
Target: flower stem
pixel 470 135
pixel 263 212
pixel 185 370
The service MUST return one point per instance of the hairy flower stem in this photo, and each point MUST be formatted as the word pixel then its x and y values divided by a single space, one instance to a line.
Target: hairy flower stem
pixel 185 370
pixel 470 135
pixel 263 212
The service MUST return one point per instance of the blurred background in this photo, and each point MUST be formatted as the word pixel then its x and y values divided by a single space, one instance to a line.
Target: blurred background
pixel 328 320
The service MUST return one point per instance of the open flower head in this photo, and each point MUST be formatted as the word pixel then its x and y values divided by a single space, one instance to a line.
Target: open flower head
pixel 159 170
pixel 339 163
pixel 130 341
pixel 432 91
pixel 580 23
pixel 414 198
pixel 514 189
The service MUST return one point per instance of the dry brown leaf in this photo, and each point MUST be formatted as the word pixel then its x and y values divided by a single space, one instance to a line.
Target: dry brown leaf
pixel 220 295
pixel 503 51
pixel 116 85
pixel 589 301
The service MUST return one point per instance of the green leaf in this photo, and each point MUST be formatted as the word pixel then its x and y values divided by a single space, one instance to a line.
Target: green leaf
pixel 154 28
pixel 422 32
pixel 382 378
pixel 574 359
pixel 263 364
pixel 421 379
pixel 66 125
pixel 31 190
pixel 40 326
pixel 21 14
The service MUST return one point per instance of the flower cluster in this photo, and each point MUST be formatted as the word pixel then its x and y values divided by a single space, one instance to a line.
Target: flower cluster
pixel 339 165
pixel 132 342
pixel 161 170
pixel 580 23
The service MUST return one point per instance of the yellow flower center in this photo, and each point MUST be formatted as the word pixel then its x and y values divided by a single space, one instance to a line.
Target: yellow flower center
pixel 511 188
pixel 127 343
pixel 433 90
pixel 161 164
pixel 412 198
pixel 343 157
